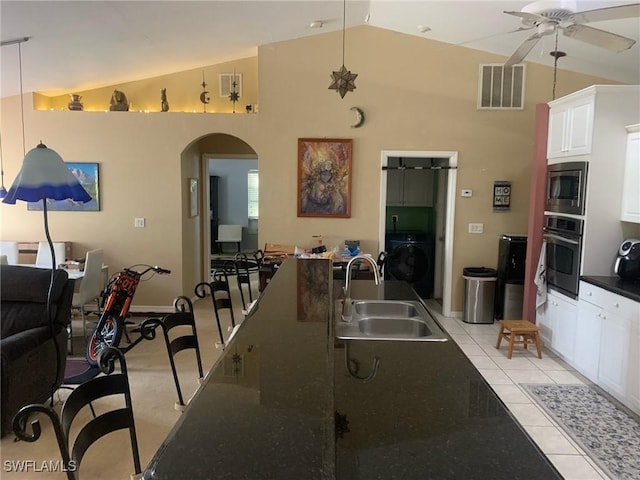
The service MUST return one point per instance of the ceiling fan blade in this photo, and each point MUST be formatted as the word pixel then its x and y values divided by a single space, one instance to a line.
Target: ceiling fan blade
pixel 523 50
pixel 608 13
pixel 528 18
pixel 486 37
pixel 599 38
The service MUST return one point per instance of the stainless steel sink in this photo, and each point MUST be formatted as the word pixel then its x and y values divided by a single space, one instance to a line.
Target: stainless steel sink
pixel 388 320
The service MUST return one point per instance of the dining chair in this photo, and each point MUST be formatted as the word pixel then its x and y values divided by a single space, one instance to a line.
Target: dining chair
pixel 10 249
pixel 229 234
pixel 90 287
pixel 43 257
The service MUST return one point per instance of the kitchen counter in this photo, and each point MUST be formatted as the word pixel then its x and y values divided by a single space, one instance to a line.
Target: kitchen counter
pixel 626 288
pixel 281 404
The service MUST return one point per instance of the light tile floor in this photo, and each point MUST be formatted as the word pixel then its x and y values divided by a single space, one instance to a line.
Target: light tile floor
pixel 504 375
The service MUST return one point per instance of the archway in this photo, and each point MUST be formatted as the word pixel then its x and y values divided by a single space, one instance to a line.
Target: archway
pixel 196 221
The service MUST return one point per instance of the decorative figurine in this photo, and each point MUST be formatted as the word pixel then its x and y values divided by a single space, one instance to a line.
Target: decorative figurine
pixel 249 108
pixel 119 102
pixel 164 105
pixel 75 103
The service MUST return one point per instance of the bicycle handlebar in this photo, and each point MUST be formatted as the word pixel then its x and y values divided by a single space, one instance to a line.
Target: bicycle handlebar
pixel 157 269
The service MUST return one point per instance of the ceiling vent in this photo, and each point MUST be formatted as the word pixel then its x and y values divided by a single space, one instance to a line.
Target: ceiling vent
pixel 226 84
pixel 501 87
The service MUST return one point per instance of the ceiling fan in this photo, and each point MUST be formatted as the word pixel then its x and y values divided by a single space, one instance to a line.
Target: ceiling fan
pixel 547 17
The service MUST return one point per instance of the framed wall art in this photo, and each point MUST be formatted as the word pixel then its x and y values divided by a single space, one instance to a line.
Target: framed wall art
pixel 324 177
pixel 88 176
pixel 193 197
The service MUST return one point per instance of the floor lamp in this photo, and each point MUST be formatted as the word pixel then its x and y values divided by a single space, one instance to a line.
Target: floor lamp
pixel 44 176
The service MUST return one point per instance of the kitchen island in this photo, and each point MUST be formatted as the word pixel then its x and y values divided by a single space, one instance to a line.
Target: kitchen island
pixel 282 404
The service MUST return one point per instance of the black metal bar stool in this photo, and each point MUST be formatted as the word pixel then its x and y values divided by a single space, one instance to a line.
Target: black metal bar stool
pixel 220 294
pixel 183 316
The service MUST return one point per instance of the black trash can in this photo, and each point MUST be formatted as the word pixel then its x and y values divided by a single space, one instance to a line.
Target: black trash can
pixel 479 292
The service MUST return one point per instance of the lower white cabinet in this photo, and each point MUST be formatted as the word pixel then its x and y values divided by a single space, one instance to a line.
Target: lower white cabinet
pixel 617 356
pixel 634 370
pixel 588 334
pixel 557 321
pixel 614 353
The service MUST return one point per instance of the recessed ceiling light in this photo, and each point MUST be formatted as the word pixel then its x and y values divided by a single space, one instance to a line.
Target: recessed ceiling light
pixel 317 24
pixel 423 29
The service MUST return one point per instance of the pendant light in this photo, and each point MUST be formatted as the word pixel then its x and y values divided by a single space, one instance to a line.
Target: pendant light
pixel 343 80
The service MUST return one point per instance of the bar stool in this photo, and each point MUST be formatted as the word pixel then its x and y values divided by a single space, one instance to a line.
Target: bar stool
pixel 220 294
pixel 519 332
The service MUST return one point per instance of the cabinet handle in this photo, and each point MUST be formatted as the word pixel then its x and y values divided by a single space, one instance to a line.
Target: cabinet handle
pixel 616 304
pixel 589 294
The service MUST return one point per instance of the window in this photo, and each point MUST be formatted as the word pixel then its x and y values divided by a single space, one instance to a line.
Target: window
pixel 252 179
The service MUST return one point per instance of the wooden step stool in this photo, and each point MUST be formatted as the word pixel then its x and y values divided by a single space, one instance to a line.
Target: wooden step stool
pixel 520 332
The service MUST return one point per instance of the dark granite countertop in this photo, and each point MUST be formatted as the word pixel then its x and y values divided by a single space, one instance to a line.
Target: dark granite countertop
pixel 280 403
pixel 626 288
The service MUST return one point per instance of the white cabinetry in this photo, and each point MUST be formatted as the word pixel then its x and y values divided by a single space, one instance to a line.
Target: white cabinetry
pixel 631 188
pixel 589 126
pixel 618 354
pixel 587 350
pixel 410 188
pixel 571 126
pixel 557 322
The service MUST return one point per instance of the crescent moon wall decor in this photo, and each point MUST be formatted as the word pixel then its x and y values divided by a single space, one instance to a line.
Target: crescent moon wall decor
pixel 359 117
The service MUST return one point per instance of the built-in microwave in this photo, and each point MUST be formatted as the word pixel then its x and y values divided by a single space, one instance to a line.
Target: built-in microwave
pixel 566 187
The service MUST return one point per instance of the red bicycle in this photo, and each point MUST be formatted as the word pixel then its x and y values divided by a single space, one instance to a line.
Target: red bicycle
pixel 116 301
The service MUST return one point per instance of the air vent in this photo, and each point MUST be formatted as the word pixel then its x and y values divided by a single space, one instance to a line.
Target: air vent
pixel 226 84
pixel 501 87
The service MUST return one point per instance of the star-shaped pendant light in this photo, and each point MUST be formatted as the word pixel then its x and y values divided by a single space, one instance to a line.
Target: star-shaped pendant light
pixel 343 80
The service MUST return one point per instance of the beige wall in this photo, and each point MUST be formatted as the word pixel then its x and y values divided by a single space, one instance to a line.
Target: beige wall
pixel 416 94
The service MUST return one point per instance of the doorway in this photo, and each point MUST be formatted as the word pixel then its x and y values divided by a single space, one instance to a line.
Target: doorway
pixel 444 167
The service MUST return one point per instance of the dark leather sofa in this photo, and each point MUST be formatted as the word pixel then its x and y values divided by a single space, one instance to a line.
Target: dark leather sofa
pixel 28 352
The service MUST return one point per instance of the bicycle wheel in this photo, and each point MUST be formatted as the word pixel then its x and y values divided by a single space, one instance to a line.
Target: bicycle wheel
pixel 110 335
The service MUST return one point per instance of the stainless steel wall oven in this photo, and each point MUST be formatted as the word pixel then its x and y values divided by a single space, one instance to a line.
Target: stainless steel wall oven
pixel 563 237
pixel 566 187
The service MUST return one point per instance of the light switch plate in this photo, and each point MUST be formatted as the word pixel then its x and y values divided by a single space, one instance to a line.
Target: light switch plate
pixel 138 222
pixel 476 227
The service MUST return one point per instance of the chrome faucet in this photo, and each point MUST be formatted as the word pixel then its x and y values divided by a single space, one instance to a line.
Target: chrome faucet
pixel 346 305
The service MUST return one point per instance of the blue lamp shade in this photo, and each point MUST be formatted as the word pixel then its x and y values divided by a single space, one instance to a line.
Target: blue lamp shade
pixel 44 175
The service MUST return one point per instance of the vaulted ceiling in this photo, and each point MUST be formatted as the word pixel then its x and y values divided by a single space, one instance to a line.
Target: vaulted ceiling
pixel 78 45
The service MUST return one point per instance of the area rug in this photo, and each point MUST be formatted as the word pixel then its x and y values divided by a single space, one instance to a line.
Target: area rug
pixel 606 431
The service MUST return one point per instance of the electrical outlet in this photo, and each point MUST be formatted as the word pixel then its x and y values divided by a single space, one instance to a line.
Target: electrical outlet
pixel 138 222
pixel 394 218
pixel 476 227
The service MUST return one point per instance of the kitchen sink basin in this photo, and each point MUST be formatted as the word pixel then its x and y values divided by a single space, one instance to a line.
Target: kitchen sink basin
pixel 388 320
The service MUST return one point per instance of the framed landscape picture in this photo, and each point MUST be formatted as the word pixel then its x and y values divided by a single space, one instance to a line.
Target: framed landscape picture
pixel 324 177
pixel 88 176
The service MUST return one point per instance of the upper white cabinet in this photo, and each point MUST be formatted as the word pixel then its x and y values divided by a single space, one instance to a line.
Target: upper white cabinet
pixel 410 188
pixel 631 189
pixel 571 126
